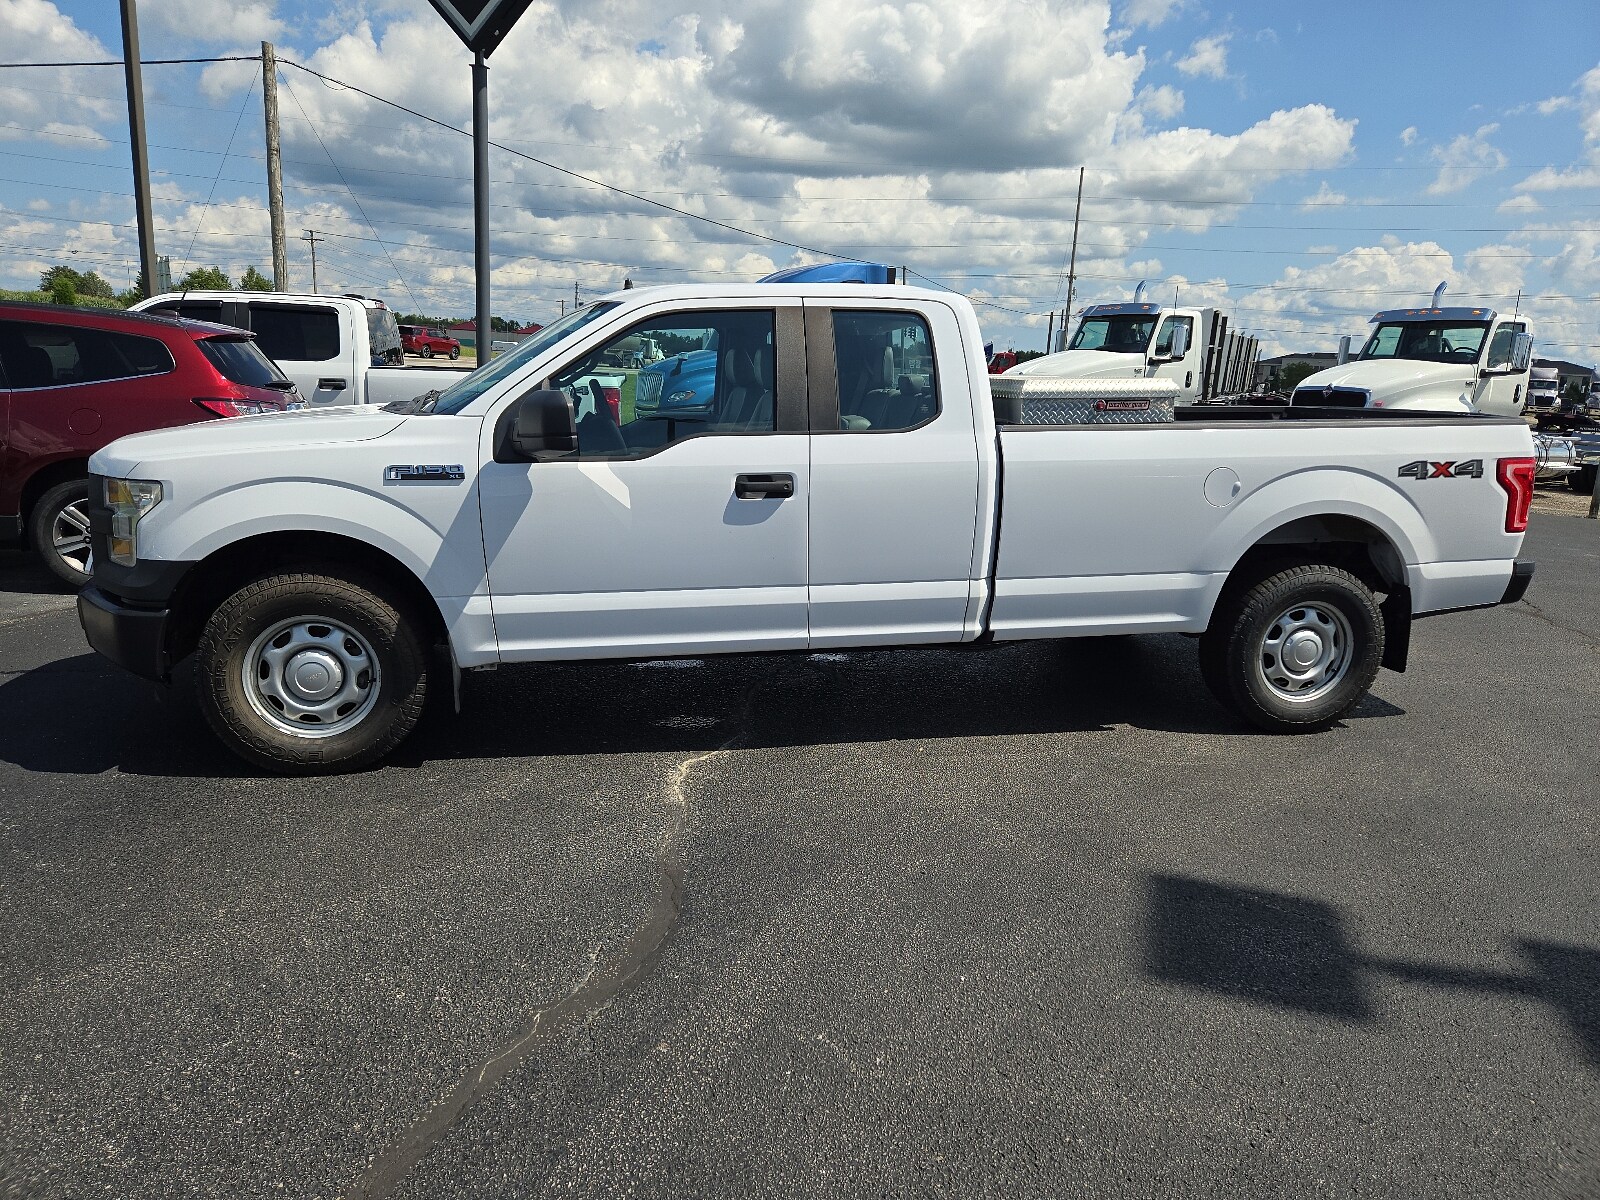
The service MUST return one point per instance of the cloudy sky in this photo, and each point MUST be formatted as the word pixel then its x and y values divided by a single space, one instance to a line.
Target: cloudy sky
pixel 1297 165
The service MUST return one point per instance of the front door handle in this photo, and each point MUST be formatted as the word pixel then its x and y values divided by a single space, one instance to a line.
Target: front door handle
pixel 332 385
pixel 760 487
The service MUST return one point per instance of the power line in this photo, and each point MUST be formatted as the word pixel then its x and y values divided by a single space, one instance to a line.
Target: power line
pixel 143 62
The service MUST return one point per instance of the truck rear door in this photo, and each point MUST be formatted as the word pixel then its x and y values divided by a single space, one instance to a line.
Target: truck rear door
pixel 313 345
pixel 894 474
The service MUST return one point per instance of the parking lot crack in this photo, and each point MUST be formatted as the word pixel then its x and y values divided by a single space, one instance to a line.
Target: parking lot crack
pixel 1539 614
pixel 614 975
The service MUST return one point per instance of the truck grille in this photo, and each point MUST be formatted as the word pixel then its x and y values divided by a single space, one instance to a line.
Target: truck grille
pixel 647 390
pixel 1331 397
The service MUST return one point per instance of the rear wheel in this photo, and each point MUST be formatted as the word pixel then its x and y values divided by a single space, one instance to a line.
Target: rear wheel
pixel 311 674
pixel 1295 651
pixel 58 528
pixel 1582 480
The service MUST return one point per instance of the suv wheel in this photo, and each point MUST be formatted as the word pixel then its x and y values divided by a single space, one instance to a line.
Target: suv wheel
pixel 311 674
pixel 427 350
pixel 58 528
pixel 1296 651
pixel 455 353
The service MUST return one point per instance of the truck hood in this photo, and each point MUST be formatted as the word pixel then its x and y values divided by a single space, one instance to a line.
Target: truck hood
pixel 245 435
pixel 1400 381
pixel 1082 364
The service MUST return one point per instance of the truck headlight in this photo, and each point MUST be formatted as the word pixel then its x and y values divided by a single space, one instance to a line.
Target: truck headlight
pixel 129 500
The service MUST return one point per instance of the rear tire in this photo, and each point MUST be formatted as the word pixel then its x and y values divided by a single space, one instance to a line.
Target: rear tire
pixel 1295 651
pixel 309 674
pixel 1582 480
pixel 58 529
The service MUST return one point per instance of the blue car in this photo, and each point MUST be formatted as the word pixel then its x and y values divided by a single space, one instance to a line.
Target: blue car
pixel 683 386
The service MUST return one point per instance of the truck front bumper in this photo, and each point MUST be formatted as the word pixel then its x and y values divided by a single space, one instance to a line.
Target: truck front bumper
pixel 133 638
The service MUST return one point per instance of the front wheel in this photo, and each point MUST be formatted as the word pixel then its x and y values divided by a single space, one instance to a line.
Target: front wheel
pixel 311 674
pixel 455 353
pixel 427 350
pixel 58 527
pixel 1296 651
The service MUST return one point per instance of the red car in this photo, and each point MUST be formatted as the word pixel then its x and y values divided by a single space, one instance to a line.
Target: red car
pixel 74 379
pixel 414 339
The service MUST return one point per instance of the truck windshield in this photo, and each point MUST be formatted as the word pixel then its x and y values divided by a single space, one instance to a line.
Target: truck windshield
pixel 1120 335
pixel 456 397
pixel 1430 341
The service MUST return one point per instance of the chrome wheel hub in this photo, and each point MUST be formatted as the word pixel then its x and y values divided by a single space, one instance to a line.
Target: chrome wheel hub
pixel 69 534
pixel 1305 652
pixel 311 677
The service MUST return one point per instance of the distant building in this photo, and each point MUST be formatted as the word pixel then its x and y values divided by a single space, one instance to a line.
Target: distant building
pixel 1268 369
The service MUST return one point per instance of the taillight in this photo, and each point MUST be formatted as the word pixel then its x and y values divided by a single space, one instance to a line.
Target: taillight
pixel 1516 476
pixel 613 399
pixel 217 406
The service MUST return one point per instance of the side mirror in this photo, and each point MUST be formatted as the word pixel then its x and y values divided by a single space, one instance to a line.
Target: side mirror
pixel 1180 341
pixel 1521 352
pixel 544 427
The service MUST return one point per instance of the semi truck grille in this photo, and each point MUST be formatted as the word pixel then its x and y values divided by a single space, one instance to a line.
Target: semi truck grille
pixel 647 390
pixel 1331 397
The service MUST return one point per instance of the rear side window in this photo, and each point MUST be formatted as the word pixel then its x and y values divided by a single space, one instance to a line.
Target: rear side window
pixel 383 333
pixel 240 361
pixel 196 310
pixel 288 333
pixel 40 355
pixel 886 374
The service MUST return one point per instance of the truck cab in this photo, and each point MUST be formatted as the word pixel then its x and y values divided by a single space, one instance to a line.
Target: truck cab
pixel 1432 359
pixel 1190 347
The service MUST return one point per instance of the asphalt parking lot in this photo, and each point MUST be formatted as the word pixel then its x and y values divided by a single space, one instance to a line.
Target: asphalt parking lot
pixel 1038 921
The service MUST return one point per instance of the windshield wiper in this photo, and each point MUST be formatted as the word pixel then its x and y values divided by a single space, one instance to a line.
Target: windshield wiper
pixel 417 404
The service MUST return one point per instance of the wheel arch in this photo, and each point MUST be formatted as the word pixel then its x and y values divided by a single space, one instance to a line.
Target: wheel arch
pixel 61 470
pixel 225 570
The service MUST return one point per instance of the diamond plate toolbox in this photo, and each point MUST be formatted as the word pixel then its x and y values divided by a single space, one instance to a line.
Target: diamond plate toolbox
pixel 1040 400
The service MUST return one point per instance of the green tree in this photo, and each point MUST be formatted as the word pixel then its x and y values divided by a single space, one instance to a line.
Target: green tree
pixel 254 281
pixel 1290 377
pixel 53 278
pixel 91 284
pixel 205 279
pixel 63 290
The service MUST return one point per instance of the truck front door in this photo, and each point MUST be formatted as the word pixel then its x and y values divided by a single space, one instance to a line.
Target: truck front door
pixel 1183 370
pixel 1502 386
pixel 677 529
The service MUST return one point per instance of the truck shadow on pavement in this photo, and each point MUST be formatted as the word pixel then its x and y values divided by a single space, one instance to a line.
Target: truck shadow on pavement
pixel 1268 948
pixel 82 716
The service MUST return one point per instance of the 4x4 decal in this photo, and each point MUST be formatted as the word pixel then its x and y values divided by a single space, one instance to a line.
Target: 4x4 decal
pixel 1422 469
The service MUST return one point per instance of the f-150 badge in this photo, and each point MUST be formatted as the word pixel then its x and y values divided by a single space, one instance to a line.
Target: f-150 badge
pixel 423 473
pixel 1421 469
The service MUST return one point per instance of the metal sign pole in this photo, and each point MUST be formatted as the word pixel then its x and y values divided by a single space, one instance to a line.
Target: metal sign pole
pixel 480 203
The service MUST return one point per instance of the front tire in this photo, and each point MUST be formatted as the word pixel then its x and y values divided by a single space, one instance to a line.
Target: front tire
pixel 58 528
pixel 1295 651
pixel 455 353
pixel 427 350
pixel 310 674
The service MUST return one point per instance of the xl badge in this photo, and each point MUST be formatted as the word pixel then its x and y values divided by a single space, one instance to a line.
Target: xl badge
pixel 1422 469
pixel 423 473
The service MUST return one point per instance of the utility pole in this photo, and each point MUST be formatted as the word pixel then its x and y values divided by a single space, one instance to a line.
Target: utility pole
pixel 1072 268
pixel 1050 332
pixel 575 304
pixel 480 202
pixel 269 97
pixel 141 153
pixel 563 304
pixel 311 235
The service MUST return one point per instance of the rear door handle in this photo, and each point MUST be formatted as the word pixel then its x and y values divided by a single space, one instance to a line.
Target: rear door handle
pixel 758 487
pixel 332 385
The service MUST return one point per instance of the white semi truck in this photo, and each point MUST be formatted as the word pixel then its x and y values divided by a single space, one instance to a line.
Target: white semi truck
pixel 851 485
pixel 1191 347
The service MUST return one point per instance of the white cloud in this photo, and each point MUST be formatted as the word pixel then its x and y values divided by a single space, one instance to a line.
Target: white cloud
pixel 1163 102
pixel 1207 58
pixel 1150 13
pixel 1519 204
pixel 1587 174
pixel 235 23
pixel 1408 135
pixel 1324 197
pixel 1554 104
pixel 1467 159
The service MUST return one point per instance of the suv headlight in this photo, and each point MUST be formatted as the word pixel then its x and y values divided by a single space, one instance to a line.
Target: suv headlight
pixel 129 500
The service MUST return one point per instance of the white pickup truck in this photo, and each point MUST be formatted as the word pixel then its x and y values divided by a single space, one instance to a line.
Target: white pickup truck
pixel 337 349
pixel 849 487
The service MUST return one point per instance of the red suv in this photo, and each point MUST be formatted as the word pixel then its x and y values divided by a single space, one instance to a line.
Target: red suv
pixel 74 379
pixel 414 339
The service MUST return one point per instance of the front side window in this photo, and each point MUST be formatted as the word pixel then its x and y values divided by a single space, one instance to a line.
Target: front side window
pixel 885 370
pixel 1120 335
pixel 1164 342
pixel 383 333
pixel 288 333
pixel 474 384
pixel 715 375
pixel 1502 347
pixel 39 355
